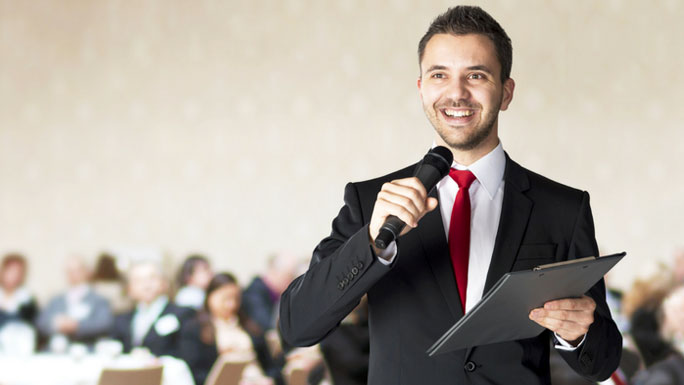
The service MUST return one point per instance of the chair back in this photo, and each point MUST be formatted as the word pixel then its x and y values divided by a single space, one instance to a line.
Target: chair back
pixel 225 372
pixel 143 376
pixel 297 376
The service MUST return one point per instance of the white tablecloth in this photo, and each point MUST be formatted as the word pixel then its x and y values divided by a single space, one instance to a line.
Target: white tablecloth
pixel 51 369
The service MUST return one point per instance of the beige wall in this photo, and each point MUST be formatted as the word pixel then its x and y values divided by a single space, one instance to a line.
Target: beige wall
pixel 231 127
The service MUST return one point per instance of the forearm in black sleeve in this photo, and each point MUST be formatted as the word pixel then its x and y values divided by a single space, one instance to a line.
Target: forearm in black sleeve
pixel 343 268
pixel 599 355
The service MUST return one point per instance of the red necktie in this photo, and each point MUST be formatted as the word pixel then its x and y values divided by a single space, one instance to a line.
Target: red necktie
pixel 459 230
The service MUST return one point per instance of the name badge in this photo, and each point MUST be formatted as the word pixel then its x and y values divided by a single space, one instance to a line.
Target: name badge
pixel 167 325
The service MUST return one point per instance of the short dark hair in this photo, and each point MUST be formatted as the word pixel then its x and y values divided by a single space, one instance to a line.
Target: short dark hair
pixel 188 268
pixel 463 20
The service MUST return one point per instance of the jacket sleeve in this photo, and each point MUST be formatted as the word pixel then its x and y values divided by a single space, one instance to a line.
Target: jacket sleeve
pixel 343 268
pixel 599 355
pixel 98 323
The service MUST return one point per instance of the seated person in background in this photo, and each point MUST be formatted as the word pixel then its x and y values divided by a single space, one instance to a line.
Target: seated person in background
pixel 16 302
pixel 220 330
pixel 109 283
pixel 669 371
pixel 262 296
pixel 193 279
pixel 155 323
pixel 79 315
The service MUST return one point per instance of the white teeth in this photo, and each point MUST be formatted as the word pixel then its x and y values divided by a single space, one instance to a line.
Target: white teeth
pixel 458 113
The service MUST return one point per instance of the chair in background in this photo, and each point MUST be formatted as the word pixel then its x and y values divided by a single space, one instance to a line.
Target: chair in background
pixel 225 372
pixel 143 376
pixel 298 376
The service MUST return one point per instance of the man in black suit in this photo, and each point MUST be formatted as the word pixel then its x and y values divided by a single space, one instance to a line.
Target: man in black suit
pixel 155 323
pixel 424 282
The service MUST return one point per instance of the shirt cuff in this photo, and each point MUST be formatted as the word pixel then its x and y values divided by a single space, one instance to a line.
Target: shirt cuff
pixel 386 256
pixel 562 344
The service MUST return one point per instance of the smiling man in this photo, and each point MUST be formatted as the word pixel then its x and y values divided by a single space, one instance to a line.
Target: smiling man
pixel 489 216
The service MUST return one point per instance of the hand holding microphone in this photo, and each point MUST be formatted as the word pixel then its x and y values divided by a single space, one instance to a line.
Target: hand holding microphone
pixel 403 202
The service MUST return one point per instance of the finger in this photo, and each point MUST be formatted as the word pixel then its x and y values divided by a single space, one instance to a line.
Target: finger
pixel 388 208
pixel 584 303
pixel 564 327
pixel 400 201
pixel 584 318
pixel 416 196
pixel 415 184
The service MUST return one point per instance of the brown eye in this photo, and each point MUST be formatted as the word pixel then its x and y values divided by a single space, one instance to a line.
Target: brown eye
pixel 476 76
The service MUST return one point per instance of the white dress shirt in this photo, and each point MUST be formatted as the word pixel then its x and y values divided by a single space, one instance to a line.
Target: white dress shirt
pixel 145 316
pixel 486 197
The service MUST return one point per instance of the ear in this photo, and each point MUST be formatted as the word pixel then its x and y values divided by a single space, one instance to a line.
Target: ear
pixel 419 82
pixel 508 88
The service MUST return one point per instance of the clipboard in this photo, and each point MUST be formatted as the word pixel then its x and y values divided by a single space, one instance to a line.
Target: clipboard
pixel 503 313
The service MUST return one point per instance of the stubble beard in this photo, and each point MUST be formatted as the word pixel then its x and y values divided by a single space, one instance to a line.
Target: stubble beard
pixel 479 134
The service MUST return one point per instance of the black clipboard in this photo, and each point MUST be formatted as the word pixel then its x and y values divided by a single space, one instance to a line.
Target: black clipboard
pixel 503 313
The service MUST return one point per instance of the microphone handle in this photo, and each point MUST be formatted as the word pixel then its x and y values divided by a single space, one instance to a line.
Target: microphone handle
pixel 389 231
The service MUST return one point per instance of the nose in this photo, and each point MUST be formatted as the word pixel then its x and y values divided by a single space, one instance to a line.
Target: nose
pixel 457 89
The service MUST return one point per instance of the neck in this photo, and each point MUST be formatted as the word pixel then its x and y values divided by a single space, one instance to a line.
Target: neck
pixel 468 157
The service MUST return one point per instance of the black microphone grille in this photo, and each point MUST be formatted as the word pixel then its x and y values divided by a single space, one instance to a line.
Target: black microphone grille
pixel 441 158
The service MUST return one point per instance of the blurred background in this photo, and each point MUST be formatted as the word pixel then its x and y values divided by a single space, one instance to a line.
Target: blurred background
pixel 229 128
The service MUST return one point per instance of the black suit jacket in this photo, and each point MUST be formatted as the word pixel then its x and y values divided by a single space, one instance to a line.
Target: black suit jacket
pixel 415 300
pixel 159 345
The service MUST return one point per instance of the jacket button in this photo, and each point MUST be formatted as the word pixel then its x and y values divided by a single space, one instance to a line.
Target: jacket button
pixel 470 366
pixel 340 286
pixel 345 281
pixel 359 265
pixel 354 270
pixel 350 276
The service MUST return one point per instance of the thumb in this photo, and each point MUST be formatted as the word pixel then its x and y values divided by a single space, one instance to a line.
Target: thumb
pixel 431 204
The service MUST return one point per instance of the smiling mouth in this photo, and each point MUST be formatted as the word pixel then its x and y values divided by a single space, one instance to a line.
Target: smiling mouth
pixel 457 113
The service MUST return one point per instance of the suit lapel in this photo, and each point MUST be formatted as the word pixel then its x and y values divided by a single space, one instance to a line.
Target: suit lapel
pixel 436 249
pixel 515 213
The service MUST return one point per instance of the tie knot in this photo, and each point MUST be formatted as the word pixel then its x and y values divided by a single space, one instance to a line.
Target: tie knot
pixel 463 178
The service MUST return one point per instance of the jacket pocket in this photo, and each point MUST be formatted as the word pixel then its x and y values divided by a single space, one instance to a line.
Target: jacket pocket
pixel 531 256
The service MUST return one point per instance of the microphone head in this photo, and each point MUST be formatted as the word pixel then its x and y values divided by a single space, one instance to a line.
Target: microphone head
pixel 441 158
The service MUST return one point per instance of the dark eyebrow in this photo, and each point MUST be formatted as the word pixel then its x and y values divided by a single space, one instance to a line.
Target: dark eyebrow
pixel 480 68
pixel 436 67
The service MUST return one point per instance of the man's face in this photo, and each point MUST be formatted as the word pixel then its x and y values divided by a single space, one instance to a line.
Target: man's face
pixel 145 283
pixel 461 90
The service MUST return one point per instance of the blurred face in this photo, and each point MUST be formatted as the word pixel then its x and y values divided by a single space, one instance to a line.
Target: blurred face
pixel 145 283
pixel 461 90
pixel 12 276
pixel 224 302
pixel 201 275
pixel 76 272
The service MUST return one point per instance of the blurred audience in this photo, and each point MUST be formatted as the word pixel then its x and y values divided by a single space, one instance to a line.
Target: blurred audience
pixel 109 283
pixel 193 280
pixel 155 323
pixel 641 305
pixel 670 370
pixel 79 315
pixel 261 298
pixel 16 301
pixel 221 330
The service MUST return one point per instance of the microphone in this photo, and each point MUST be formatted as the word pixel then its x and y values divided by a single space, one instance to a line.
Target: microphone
pixel 432 169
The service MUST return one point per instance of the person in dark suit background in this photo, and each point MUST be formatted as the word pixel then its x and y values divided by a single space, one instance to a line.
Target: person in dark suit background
pixel 155 323
pixel 668 370
pixel 425 281
pixel 16 302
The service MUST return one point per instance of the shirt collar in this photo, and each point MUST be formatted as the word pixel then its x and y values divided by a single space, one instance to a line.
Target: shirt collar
pixel 156 307
pixel 489 170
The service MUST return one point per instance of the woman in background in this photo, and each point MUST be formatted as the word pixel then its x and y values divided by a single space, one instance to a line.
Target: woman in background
pixel 16 302
pixel 193 279
pixel 220 330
